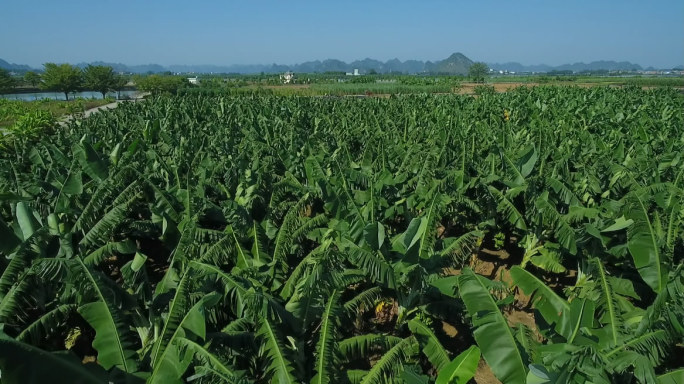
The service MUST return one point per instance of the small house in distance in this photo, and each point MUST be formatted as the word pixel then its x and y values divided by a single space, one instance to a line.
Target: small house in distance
pixel 287 77
pixel 355 73
pixel 193 80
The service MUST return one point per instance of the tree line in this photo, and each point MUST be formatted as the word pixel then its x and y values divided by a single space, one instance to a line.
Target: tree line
pixel 67 78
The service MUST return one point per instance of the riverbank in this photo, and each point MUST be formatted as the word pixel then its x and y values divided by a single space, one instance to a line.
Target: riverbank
pixel 24 89
pixel 59 96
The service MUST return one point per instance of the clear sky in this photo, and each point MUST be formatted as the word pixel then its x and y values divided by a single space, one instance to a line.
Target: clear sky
pixel 646 32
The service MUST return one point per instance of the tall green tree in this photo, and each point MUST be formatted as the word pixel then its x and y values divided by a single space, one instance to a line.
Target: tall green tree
pixel 6 81
pixel 100 78
pixel 64 78
pixel 32 78
pixel 478 71
pixel 119 84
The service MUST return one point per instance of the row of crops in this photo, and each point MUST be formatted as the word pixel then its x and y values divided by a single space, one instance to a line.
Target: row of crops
pixel 264 239
pixel 341 89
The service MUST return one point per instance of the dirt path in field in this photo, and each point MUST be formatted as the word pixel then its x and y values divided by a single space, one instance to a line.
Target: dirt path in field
pixel 469 88
pixel 62 121
pixel 88 112
pixel 290 86
pixel 466 88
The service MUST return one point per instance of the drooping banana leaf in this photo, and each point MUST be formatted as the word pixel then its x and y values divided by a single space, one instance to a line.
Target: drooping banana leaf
pixel 390 363
pixel 280 366
pixel 492 333
pixel 552 307
pixel 432 348
pixel 325 348
pixel 22 363
pixel 461 369
pixel 172 358
pixel 112 337
pixel 672 377
pixel 644 247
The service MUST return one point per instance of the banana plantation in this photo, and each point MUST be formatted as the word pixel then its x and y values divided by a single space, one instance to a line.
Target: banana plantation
pixel 266 239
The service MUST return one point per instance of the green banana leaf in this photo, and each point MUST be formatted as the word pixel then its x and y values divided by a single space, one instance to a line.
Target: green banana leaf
pixel 492 333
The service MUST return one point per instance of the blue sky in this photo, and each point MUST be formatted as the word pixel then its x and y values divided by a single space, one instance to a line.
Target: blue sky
pixel 650 33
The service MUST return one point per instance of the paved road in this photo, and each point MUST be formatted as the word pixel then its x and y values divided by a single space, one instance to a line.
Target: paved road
pixel 66 119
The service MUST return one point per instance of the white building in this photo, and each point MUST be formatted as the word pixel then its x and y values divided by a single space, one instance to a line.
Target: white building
pixel 193 80
pixel 287 77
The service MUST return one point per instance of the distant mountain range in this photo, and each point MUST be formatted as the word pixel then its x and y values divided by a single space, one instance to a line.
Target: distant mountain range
pixel 13 67
pixel 576 67
pixel 456 64
pixel 118 67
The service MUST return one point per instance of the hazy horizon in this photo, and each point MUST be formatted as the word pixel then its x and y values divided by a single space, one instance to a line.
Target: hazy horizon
pixel 266 32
